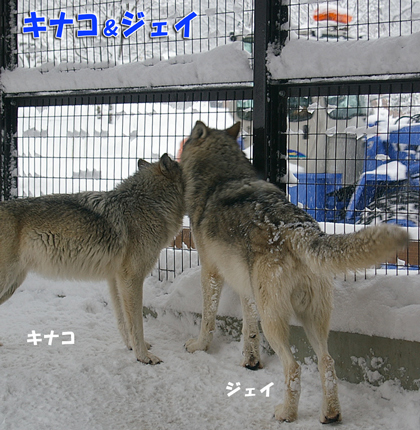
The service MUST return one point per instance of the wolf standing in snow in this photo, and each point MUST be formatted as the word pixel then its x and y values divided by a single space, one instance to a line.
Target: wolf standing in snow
pixel 115 235
pixel 273 254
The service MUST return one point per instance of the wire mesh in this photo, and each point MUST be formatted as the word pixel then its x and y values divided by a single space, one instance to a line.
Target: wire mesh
pixel 347 20
pixel 125 31
pixel 354 160
pixel 94 146
pixel 353 153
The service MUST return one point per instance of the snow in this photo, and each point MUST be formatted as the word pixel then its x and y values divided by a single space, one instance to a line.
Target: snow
pixel 224 64
pixel 302 58
pixel 299 59
pixel 97 384
pixel 381 305
pixel 395 171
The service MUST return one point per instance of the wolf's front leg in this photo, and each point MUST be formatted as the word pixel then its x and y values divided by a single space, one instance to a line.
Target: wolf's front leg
pixel 119 312
pixel 130 289
pixel 212 283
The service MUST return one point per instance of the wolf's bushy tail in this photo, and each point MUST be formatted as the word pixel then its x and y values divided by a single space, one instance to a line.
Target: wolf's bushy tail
pixel 359 250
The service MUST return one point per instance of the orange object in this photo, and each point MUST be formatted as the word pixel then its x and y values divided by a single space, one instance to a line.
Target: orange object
pixel 181 147
pixel 332 14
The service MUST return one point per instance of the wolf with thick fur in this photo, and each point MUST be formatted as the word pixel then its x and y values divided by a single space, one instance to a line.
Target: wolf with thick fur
pixel 273 254
pixel 115 235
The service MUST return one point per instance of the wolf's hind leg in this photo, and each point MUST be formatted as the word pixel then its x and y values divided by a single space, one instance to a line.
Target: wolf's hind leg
pixel 9 287
pixel 316 319
pixel 317 335
pixel 275 310
pixel 212 283
pixel 251 334
pixel 276 330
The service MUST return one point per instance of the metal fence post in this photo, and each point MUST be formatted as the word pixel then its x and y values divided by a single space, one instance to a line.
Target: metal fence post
pixel 270 109
pixel 8 109
pixel 8 149
pixel 260 88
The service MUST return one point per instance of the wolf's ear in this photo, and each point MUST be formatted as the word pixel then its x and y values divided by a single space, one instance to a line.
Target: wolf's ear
pixel 234 130
pixel 166 164
pixel 142 162
pixel 199 130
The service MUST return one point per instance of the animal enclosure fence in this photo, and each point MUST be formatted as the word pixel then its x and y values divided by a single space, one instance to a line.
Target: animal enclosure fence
pixel 341 103
pixel 329 106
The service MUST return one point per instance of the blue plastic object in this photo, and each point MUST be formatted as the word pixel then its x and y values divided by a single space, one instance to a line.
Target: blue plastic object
pixel 312 191
pixel 364 193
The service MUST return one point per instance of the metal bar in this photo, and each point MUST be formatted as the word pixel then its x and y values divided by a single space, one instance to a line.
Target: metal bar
pixel 278 135
pixel 8 109
pixel 172 94
pixel 260 88
pixel 269 140
pixel 8 150
pixel 8 36
pixel 379 85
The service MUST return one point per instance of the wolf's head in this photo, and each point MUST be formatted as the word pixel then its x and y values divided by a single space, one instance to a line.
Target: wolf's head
pixel 200 130
pixel 165 166
pixel 161 179
pixel 205 137
pixel 211 158
pixel 161 183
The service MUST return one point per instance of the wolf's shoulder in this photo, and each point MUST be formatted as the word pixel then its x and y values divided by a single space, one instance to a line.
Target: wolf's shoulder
pixel 262 201
pixel 244 190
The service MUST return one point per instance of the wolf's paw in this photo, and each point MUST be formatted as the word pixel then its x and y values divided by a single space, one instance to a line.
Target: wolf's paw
pixel 150 359
pixel 284 414
pixel 193 345
pixel 331 418
pixel 330 411
pixel 252 363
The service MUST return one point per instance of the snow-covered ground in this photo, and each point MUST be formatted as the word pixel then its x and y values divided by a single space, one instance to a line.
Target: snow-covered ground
pixel 380 305
pixel 97 384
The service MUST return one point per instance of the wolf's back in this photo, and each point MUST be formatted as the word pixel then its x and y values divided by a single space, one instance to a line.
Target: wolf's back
pixel 343 252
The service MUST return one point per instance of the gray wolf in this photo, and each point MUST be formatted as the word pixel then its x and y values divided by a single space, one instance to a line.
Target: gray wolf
pixel 273 254
pixel 115 235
